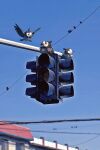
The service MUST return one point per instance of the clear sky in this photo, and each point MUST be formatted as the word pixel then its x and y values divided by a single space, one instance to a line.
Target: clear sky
pixel 54 17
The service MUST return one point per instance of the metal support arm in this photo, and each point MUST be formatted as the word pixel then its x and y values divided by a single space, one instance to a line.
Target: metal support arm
pixel 23 46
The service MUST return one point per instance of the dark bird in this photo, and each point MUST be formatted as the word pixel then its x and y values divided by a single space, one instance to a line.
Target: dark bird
pixel 27 35
pixel 7 88
pixel 74 27
pixel 69 31
pixel 81 22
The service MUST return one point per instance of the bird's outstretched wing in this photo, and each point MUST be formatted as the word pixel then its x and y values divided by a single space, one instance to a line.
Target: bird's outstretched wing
pixel 36 30
pixel 19 30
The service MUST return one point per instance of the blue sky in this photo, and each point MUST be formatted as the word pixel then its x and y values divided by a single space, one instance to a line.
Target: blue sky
pixel 54 17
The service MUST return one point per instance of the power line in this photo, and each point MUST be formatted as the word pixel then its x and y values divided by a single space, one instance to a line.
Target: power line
pixel 51 132
pixel 77 126
pixel 17 80
pixel 87 141
pixel 75 27
pixel 65 132
pixel 7 88
pixel 51 121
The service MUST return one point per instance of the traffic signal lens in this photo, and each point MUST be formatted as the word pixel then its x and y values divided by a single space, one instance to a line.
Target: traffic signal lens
pixel 32 78
pixel 46 89
pixel 31 92
pixel 31 65
pixel 66 64
pixel 66 91
pixel 46 75
pixel 66 77
pixel 45 60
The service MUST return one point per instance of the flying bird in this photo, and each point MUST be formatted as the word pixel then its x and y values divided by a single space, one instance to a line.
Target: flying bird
pixel 27 35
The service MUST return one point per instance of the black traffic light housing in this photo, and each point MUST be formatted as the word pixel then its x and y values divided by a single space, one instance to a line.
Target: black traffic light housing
pixel 44 80
pixel 52 77
pixel 47 86
pixel 66 77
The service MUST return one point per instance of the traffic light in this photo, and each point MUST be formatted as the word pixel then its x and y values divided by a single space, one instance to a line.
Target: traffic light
pixel 32 78
pixel 51 76
pixel 44 79
pixel 66 77
pixel 47 84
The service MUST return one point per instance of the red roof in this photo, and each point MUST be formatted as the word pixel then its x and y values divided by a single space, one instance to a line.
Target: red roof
pixel 15 130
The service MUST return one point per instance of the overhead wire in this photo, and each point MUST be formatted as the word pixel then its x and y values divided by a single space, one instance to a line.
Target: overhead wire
pixel 75 27
pixel 51 121
pixel 17 80
pixel 7 88
pixel 76 126
pixel 50 131
pixel 87 141
pixel 65 132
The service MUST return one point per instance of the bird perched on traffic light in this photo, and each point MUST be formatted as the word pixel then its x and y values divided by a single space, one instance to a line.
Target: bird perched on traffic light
pixel 46 47
pixel 27 35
